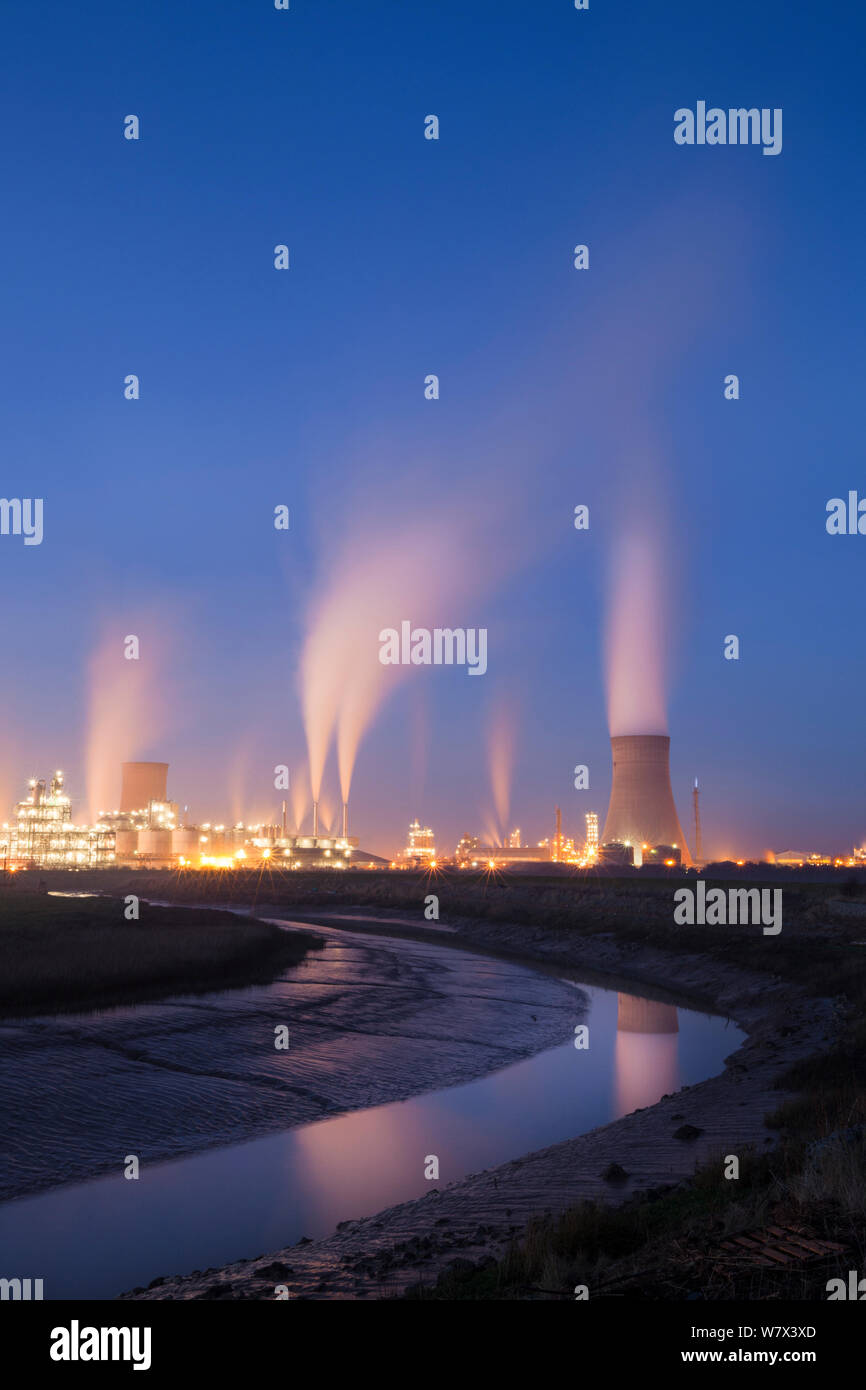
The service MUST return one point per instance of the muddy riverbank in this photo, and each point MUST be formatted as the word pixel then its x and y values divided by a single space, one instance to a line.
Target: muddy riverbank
pixel 365 1021
pixel 476 1218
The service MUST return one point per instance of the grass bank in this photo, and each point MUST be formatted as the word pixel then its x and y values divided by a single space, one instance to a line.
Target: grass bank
pixel 794 1218
pixel 60 955
pixel 792 1221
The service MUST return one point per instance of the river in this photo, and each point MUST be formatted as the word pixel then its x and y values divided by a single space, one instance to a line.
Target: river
pixel 397 1051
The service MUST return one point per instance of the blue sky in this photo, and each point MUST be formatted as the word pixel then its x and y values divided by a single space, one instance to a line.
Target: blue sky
pixel 306 387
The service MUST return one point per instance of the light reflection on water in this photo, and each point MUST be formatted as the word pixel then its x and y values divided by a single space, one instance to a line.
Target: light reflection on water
pixel 96 1239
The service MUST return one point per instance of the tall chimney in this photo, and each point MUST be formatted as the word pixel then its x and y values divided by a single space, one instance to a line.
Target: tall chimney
pixel 284 820
pixel 315 820
pixel 699 851
pixel 641 810
pixel 345 820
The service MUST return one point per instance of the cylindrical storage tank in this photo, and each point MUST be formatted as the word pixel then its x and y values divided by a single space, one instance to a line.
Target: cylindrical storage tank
pixel 141 783
pixel 125 845
pixel 154 845
pixel 185 842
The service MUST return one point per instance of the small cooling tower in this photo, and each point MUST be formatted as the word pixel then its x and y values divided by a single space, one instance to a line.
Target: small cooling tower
pixel 141 783
pixel 641 810
pixel 634 1015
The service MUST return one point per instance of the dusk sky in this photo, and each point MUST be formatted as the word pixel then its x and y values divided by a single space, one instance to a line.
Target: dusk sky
pixel 559 387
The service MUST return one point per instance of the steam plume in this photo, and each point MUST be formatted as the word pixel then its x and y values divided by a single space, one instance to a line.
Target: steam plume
pixel 128 710
pixel 425 571
pixel 636 640
pixel 500 753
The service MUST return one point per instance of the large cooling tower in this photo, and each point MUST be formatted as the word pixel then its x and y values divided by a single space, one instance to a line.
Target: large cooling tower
pixel 646 1057
pixel 642 810
pixel 141 783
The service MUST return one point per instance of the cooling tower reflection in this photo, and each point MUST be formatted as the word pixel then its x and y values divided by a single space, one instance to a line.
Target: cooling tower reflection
pixel 645 1057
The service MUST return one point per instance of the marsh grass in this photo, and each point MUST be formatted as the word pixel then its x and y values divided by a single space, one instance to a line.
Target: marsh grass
pixel 65 954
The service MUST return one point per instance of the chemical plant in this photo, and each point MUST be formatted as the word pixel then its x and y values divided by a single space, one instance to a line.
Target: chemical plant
pixel 145 832
pixel 421 852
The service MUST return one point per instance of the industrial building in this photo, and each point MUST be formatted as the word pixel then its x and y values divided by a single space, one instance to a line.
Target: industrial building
pixel 41 832
pixel 148 834
pixel 421 849
pixel 145 833
pixel 591 846
pixel 558 849
pixel 501 856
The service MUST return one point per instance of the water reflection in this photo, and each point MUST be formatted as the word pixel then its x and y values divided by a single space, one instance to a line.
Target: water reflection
pixel 646 1053
pixel 94 1240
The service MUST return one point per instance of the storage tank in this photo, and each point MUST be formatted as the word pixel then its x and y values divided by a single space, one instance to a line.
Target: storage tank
pixel 154 846
pixel 125 846
pixel 141 783
pixel 185 843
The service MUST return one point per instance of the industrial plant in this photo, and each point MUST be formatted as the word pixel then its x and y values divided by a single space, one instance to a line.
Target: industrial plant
pixel 41 832
pixel 147 832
